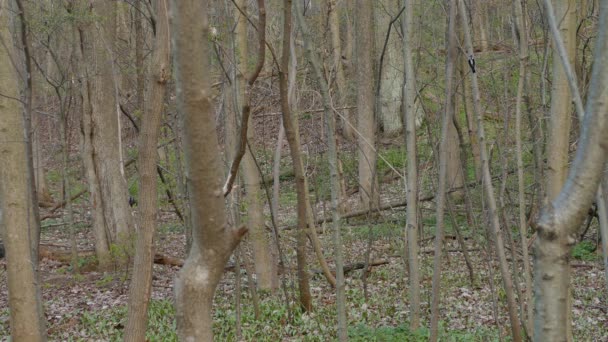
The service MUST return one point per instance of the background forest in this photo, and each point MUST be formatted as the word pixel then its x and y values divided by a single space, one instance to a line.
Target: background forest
pixel 307 170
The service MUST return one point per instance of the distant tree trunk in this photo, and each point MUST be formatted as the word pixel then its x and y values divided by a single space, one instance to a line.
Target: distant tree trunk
pixel 265 261
pixel 479 17
pixel 391 78
pixel 16 203
pixel 102 152
pixel 141 282
pixel 409 117
pixel 100 231
pixel 333 173
pixel 454 173
pixel 106 125
pixel 446 121
pixel 341 87
pixel 366 124
pixel 293 138
pixel 560 221
pixel 213 239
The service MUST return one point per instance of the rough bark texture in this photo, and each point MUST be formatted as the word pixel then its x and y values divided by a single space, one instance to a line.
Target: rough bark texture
pixel 213 240
pixel 100 231
pixel 16 219
pixel 409 118
pixel 141 283
pixel 102 153
pixel 366 124
pixel 559 222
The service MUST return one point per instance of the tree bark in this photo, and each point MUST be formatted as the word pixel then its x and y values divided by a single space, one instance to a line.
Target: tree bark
pixel 141 282
pixel 333 173
pixel 518 14
pixel 490 196
pixel 391 78
pixel 443 169
pixel 17 221
pixel 559 222
pixel 366 124
pixel 409 118
pixel 213 240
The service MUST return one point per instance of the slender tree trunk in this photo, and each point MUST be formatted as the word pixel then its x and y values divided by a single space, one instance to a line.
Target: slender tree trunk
pixel 213 239
pixel 366 125
pixel 141 282
pixel 293 138
pixel 443 166
pixel 490 197
pixel 409 118
pixel 523 225
pixel 17 221
pixel 333 172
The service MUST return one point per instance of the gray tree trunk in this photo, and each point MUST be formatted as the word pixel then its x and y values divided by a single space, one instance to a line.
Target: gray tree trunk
pixel 213 240
pixel 141 282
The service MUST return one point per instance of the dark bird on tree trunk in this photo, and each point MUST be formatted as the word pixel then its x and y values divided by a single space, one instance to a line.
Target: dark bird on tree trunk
pixel 472 63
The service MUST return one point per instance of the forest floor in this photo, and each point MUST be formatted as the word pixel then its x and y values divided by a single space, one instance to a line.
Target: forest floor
pixel 92 305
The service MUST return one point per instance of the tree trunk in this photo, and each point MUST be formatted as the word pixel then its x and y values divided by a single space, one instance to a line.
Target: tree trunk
pixel 141 282
pixel 443 169
pixel 213 239
pixel 391 78
pixel 409 118
pixel 523 225
pixel 561 102
pixel 100 229
pixel 366 124
pixel 293 138
pixel 16 219
pixel 490 197
pixel 333 172
pixel 264 260
pixel 338 69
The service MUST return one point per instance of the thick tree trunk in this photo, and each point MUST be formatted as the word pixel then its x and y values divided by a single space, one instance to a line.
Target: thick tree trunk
pixel 559 223
pixel 213 239
pixel 141 282
pixel 366 124
pixel 16 203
